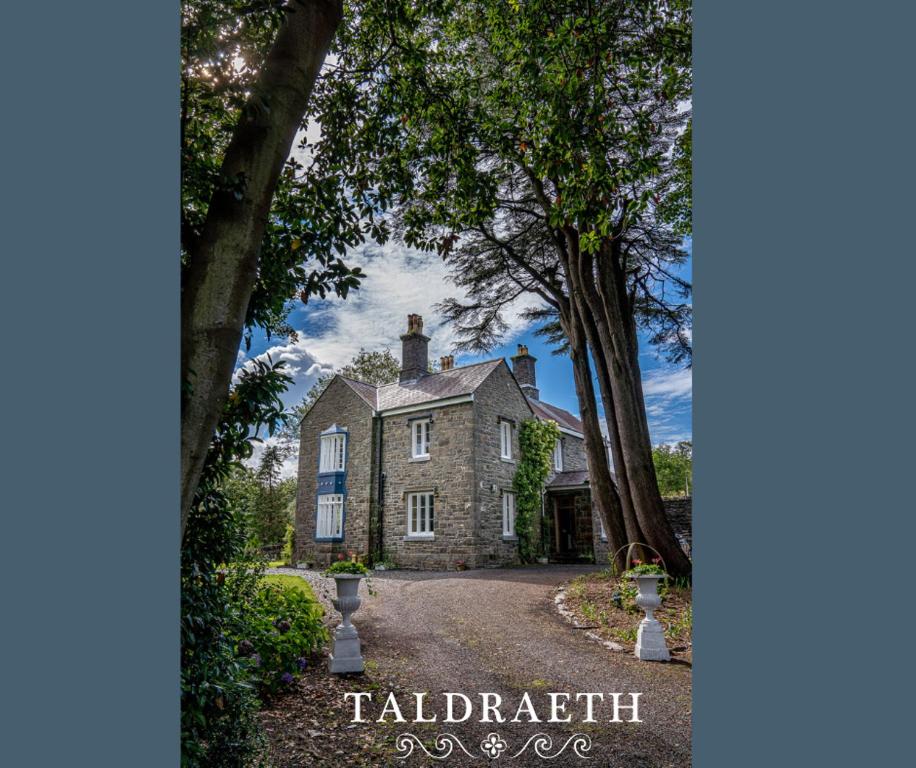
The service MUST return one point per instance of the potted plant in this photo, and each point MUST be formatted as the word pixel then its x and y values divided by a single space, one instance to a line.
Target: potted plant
pixel 345 656
pixel 650 639
pixel 460 565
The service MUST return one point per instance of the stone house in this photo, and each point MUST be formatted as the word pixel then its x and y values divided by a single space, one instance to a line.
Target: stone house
pixel 420 470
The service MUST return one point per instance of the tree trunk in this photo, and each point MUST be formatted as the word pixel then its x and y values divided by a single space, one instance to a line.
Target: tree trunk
pixel 222 268
pixel 623 368
pixel 600 481
pixel 583 289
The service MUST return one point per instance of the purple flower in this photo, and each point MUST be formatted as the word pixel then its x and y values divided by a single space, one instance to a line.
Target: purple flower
pixel 286 678
pixel 302 663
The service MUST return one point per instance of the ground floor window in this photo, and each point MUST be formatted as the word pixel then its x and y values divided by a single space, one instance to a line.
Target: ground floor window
pixel 508 514
pixel 420 515
pixel 330 516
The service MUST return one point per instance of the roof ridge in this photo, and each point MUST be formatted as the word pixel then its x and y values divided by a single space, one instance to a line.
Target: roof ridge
pixel 360 381
pixel 456 368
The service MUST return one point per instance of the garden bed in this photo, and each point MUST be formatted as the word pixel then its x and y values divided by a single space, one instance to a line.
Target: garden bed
pixel 603 605
pixel 310 724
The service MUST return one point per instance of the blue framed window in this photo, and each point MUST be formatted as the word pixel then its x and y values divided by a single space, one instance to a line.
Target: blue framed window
pixel 330 502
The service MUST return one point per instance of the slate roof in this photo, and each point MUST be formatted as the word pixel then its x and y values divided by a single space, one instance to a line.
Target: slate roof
pixel 564 479
pixel 427 389
pixel 547 411
pixel 452 383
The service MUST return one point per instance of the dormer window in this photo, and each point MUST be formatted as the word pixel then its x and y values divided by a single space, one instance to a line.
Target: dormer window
pixel 558 455
pixel 419 439
pixel 333 456
pixel 505 440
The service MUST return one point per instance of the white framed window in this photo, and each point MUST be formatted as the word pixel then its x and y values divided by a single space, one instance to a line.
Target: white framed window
pixel 419 439
pixel 420 515
pixel 505 439
pixel 508 513
pixel 330 516
pixel 333 453
pixel 558 455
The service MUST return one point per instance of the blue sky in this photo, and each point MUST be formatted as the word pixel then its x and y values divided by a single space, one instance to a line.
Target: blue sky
pixel 401 281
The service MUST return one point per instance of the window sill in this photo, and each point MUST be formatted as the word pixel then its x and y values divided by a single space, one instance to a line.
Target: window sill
pixel 508 537
pixel 418 459
pixel 506 461
pixel 420 537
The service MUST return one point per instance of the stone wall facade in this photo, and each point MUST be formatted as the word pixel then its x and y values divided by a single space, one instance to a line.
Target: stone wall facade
pixel 497 399
pixel 464 472
pixel 448 474
pixel 339 405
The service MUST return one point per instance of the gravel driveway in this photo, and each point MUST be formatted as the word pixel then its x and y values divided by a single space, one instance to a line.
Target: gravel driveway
pixel 498 630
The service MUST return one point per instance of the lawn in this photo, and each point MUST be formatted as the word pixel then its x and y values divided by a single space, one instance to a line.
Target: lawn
pixel 296 582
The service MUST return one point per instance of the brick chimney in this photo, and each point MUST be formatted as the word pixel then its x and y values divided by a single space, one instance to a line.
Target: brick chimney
pixel 414 350
pixel 523 368
pixel 446 363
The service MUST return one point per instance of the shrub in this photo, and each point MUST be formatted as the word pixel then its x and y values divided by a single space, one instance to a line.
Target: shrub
pixel 282 628
pixel 289 545
pixel 347 566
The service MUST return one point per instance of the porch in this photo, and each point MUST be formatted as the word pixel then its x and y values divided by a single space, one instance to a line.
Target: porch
pixel 569 531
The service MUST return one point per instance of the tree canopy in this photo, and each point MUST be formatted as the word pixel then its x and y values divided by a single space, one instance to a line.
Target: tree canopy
pixel 674 468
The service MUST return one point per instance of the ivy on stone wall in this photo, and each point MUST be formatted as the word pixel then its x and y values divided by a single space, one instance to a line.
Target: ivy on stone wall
pixel 536 440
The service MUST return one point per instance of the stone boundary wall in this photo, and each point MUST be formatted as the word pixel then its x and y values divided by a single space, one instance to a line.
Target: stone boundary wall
pixel 680 515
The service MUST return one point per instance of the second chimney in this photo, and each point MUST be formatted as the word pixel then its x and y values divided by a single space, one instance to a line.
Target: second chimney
pixel 414 350
pixel 523 368
pixel 446 363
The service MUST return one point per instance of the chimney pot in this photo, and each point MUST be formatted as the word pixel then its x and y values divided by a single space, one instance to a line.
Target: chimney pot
pixel 523 368
pixel 414 350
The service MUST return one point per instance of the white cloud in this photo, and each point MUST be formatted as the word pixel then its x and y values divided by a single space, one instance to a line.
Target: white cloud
pixel 668 385
pixel 399 281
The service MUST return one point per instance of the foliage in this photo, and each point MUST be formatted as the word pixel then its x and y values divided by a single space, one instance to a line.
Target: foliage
pixel 674 468
pixel 218 703
pixel 265 501
pixel 500 131
pixel 537 440
pixel 223 45
pixel 347 566
pixel 282 629
pixel 644 569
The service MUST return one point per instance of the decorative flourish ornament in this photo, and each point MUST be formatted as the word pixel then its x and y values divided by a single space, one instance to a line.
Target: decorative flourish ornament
pixel 493 745
pixel 543 744
pixel 445 744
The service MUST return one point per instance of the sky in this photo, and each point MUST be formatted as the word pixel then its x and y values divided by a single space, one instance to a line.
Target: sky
pixel 401 281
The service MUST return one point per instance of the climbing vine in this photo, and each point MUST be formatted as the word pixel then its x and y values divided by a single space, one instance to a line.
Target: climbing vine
pixel 536 440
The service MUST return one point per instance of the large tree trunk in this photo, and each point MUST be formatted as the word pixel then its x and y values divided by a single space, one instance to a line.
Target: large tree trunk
pixel 583 290
pixel 621 353
pixel 600 481
pixel 220 275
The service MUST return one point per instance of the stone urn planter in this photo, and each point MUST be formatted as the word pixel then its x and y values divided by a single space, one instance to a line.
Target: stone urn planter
pixel 650 639
pixel 346 656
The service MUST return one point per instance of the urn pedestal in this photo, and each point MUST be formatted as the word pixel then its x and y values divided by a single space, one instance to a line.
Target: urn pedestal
pixel 650 639
pixel 346 656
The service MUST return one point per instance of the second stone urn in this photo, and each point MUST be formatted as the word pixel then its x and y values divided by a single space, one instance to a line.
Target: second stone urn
pixel 650 639
pixel 346 655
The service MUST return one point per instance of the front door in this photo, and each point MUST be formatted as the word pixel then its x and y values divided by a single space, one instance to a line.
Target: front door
pixel 566 528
